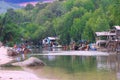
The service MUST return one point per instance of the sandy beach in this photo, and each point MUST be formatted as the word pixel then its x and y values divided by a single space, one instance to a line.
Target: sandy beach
pixel 17 75
pixel 14 75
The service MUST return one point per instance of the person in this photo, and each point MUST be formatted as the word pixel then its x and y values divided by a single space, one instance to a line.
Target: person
pixel 76 47
pixel 15 46
pixel 84 46
pixel 92 47
pixel 18 50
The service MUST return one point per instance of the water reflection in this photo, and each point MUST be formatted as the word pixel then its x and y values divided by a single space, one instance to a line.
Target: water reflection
pixel 102 67
pixel 52 49
pixel 111 63
pixel 102 63
pixel 70 63
pixel 51 58
pixel 78 67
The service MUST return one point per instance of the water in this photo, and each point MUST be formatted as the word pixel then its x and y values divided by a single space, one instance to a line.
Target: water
pixel 77 67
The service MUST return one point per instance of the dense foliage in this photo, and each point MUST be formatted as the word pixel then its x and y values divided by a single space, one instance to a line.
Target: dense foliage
pixel 67 19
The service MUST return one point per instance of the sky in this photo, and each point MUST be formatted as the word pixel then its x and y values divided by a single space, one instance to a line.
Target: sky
pixel 21 1
pixel 25 2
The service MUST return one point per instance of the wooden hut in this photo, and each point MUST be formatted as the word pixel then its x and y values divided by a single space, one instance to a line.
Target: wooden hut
pixel 109 40
pixel 102 39
pixel 116 29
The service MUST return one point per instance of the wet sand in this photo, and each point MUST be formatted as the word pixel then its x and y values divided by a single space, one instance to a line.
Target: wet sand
pixel 17 75
pixel 14 75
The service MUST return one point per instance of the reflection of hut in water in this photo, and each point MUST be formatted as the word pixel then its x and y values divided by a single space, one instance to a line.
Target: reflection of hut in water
pixel 108 63
pixel 51 57
pixel 109 40
pixel 102 63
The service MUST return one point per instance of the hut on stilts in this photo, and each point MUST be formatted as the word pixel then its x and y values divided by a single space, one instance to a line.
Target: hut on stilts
pixel 109 41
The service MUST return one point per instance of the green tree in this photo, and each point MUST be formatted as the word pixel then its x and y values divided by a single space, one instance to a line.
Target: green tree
pixel 69 4
pixel 69 25
pixel 1 28
pixel 29 7
pixel 29 30
pixel 68 19
pixel 75 31
pixel 116 12
pixel 88 34
pixel 50 12
pixel 11 33
pixel 87 4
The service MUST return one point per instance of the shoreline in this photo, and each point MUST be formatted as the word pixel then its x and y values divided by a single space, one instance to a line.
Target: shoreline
pixel 14 74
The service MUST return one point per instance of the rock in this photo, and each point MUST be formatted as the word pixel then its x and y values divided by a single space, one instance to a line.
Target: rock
pixel 11 52
pixel 1 44
pixel 4 58
pixel 32 61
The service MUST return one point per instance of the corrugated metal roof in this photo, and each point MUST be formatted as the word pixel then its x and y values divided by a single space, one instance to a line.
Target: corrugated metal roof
pixel 52 38
pixel 104 33
pixel 117 27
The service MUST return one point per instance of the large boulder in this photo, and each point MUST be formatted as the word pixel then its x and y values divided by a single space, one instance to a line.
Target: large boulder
pixel 32 61
pixel 4 58
pixel 11 52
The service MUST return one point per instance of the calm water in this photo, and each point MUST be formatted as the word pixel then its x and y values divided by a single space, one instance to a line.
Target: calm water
pixel 78 67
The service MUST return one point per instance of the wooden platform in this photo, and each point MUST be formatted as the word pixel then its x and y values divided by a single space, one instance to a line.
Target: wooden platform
pixel 77 53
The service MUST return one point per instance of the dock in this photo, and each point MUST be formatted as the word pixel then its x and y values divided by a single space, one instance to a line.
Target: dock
pixel 73 53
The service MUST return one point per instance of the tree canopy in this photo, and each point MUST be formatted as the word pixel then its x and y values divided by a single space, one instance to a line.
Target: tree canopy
pixel 67 19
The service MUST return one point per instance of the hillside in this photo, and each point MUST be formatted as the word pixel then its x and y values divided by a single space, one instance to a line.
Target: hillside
pixel 68 19
pixel 5 5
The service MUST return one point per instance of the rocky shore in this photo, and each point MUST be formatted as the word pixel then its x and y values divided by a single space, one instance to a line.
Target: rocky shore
pixel 4 59
pixel 13 75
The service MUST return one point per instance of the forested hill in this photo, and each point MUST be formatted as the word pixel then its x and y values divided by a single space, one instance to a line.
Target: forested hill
pixel 67 19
